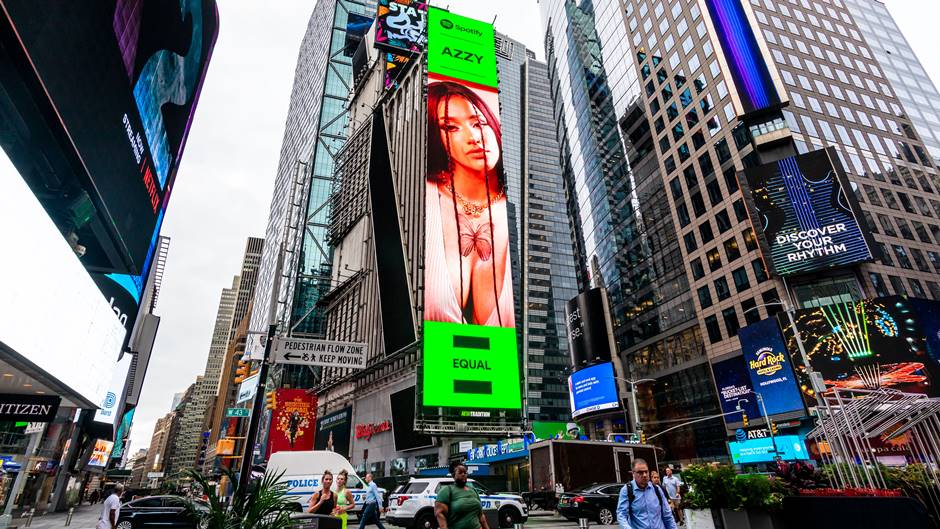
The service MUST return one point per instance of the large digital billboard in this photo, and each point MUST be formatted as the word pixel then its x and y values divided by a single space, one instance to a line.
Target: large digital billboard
pixel 593 389
pixel 111 404
pixel 808 214
pixel 41 280
pixel 871 343
pixel 115 85
pixel 769 368
pixel 334 431
pixel 293 421
pixel 587 324
pixel 400 34
pixel 470 356
pixel 762 450
pixel 403 421
pixel 734 388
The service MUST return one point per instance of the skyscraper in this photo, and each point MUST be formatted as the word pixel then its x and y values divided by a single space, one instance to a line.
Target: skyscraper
pixel 662 82
pixel 914 88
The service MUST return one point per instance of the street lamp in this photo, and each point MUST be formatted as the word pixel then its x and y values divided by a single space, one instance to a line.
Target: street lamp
pixel 763 409
pixel 636 409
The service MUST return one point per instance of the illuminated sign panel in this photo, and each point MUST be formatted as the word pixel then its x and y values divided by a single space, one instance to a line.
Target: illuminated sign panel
pixel 788 447
pixel 734 387
pixel 470 357
pixel 768 365
pixel 808 214
pixel 293 421
pixel 593 389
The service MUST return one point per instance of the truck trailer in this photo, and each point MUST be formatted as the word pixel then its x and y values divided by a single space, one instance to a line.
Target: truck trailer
pixel 576 464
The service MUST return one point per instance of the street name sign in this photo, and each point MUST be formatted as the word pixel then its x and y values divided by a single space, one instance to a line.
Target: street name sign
pixel 324 353
pixel 237 412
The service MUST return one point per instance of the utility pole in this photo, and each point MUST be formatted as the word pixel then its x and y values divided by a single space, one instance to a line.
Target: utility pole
pixel 773 440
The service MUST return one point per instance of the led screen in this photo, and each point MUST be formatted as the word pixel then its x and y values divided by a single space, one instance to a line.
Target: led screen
pixel 593 389
pixel 808 214
pixel 789 448
pixel 401 26
pixel 769 368
pixel 112 400
pixel 122 79
pixel 41 283
pixel 587 324
pixel 879 342
pixel 470 357
pixel 334 431
pixel 734 387
pixel 403 421
pixel 101 453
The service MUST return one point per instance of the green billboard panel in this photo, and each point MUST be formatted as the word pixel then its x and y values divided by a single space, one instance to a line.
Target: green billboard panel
pixel 461 48
pixel 475 365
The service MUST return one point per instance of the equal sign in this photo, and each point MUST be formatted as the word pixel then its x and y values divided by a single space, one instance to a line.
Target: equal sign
pixel 476 387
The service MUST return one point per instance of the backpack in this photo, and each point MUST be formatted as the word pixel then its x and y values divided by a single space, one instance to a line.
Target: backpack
pixel 631 497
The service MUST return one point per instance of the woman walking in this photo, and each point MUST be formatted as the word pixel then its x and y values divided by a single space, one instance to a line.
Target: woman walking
pixel 344 498
pixel 458 506
pixel 324 501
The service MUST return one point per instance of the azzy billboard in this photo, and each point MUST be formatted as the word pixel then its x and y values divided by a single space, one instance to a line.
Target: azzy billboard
pixel 808 214
pixel 470 353
pixel 293 421
pixel 768 365
pixel 593 389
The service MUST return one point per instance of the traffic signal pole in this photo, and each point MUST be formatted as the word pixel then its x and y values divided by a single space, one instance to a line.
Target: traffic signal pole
pixel 254 421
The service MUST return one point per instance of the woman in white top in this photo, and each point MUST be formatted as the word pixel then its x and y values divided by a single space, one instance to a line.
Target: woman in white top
pixel 467 274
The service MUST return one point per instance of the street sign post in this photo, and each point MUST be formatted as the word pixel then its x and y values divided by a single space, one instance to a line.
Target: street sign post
pixel 237 412
pixel 324 353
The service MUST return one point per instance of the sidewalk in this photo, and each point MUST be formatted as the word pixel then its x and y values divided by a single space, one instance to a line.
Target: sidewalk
pixel 84 517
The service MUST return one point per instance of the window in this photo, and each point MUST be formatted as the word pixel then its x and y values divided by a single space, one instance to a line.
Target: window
pixel 740 211
pixel 934 289
pixel 731 179
pixel 691 180
pixel 690 244
pixel 714 331
pixel 721 289
pixel 722 221
pixel 759 271
pixel 750 310
pixel 731 249
pixel 731 321
pixel 878 283
pixel 705 231
pixel 919 260
pixel 698 271
pixel 771 302
pixel 683 213
pixel 676 186
pixel 741 282
pixel 722 151
pixel 714 259
pixel 714 192
pixel 901 254
pixel 704 297
pixel 897 285
pixel 750 240
pixel 916 288
pixel 698 206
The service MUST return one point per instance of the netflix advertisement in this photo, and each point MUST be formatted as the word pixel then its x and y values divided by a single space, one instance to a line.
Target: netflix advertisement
pixel 293 421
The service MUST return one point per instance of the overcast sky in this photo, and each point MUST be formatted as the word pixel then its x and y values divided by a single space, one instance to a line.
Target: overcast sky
pixel 223 189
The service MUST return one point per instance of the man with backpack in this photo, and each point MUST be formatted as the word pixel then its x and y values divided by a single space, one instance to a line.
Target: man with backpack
pixel 643 505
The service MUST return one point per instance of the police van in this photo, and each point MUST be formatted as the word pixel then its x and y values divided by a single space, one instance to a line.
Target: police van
pixel 412 506
pixel 304 470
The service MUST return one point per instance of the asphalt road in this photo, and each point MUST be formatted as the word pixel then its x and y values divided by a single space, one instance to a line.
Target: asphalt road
pixel 544 522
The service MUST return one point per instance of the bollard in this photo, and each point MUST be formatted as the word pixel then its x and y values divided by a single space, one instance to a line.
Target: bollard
pixel 68 519
pixel 29 517
pixel 582 523
pixel 518 526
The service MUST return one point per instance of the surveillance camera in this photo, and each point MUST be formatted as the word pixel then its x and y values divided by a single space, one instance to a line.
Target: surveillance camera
pixel 80 250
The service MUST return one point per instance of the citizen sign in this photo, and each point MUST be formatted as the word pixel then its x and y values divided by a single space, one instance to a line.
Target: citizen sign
pixel 33 408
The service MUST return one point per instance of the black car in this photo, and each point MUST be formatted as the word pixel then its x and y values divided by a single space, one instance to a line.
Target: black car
pixel 159 511
pixel 596 502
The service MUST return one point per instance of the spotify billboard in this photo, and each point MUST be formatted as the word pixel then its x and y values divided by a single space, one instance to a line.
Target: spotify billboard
pixel 470 361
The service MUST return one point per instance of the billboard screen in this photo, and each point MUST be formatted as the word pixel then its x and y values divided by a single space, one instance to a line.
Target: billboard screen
pixel 789 448
pixel 734 386
pixel 334 431
pixel 808 213
pixel 769 368
pixel 293 421
pixel 111 401
pixel 101 453
pixel 593 389
pixel 871 343
pixel 587 323
pixel 117 82
pixel 401 26
pixel 43 282
pixel 403 421
pixel 470 353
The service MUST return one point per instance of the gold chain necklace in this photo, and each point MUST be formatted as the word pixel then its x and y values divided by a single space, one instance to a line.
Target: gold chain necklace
pixel 473 209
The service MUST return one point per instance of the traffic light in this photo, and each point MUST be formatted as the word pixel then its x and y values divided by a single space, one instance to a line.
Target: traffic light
pixel 643 438
pixel 241 372
pixel 270 400
pixel 744 419
pixel 773 428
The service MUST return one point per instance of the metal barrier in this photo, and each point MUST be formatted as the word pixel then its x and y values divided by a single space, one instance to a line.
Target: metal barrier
pixel 68 519
pixel 29 517
pixel 583 523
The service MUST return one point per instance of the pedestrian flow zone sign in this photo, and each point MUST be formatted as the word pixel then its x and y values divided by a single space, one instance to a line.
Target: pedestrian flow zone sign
pixel 324 353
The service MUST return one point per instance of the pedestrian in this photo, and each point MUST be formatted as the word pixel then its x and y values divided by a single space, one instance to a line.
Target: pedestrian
pixel 344 498
pixel 643 505
pixel 458 506
pixel 673 487
pixel 654 477
pixel 111 509
pixel 93 499
pixel 371 510
pixel 324 500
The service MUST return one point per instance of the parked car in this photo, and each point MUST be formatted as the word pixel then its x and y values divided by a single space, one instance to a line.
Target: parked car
pixel 596 502
pixel 412 505
pixel 160 511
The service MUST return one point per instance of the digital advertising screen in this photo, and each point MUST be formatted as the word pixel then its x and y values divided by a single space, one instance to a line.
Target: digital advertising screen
pixel 788 447
pixel 769 367
pixel 734 387
pixel 470 355
pixel 587 323
pixel 293 421
pixel 593 389
pixel 403 421
pixel 101 453
pixel 808 214
pixel 400 33
pixel 870 343
pixel 111 403
pixel 334 432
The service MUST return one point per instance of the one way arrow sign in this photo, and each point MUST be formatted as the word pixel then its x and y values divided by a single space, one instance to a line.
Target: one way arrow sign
pixel 324 353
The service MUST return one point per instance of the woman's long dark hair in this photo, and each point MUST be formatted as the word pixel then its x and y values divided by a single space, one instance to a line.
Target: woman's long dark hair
pixel 438 153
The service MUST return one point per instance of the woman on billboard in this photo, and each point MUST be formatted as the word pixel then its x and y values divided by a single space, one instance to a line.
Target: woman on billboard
pixel 467 272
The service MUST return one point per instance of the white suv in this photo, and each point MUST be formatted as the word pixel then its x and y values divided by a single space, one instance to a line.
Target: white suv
pixel 412 506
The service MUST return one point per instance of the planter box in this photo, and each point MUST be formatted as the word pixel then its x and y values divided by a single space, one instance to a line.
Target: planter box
pixel 764 520
pixel 699 519
pixel 735 519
